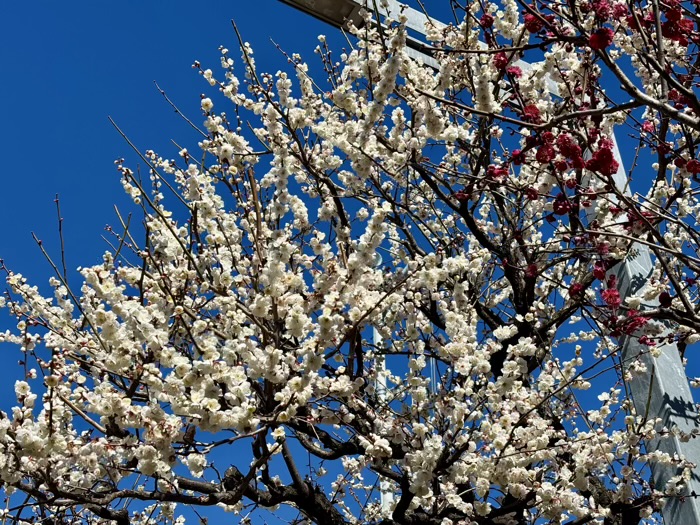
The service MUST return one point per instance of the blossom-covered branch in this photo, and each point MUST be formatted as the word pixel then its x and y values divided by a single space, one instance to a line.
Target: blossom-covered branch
pixel 223 356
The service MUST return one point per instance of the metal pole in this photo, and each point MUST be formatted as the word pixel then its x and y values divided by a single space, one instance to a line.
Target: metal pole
pixel 663 391
pixel 386 494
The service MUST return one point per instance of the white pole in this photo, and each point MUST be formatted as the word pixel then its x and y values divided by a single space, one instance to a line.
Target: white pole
pixel 386 493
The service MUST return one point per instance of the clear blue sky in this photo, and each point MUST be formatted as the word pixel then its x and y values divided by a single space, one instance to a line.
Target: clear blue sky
pixel 67 66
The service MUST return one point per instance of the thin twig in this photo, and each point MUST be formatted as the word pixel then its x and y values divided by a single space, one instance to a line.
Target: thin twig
pixel 177 110
pixel 61 239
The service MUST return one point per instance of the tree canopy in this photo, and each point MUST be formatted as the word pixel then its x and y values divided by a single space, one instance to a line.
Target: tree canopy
pixel 223 354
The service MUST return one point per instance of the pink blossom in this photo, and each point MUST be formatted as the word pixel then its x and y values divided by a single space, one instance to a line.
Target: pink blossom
pixel 462 196
pixel 601 38
pixel 517 157
pixel 545 153
pixel 567 146
pixel 515 71
pixel 533 23
pixel 561 205
pixel 611 296
pixel 500 60
pixel 603 162
pixel 532 193
pixel 693 166
pixel 575 289
pixel 486 21
pixel 603 9
pixel 531 113
pixel 599 270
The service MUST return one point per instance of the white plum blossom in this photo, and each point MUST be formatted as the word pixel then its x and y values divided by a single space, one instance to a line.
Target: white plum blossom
pixel 395 280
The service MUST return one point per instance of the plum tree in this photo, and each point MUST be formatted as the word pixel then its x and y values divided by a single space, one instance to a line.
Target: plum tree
pixel 222 357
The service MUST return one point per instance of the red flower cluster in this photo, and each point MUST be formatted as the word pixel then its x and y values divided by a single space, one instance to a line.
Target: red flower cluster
pixel 676 27
pixel 533 23
pixel 599 270
pixel 637 221
pixel 531 271
pixel 679 100
pixel 531 113
pixel 500 61
pixel 620 11
pixel 634 322
pixel 561 205
pixel 665 300
pixel 568 147
pixel 603 9
pixel 693 166
pixel 611 296
pixel 545 153
pixel 646 340
pixel 548 145
pixel 486 21
pixel 496 172
pixel 517 157
pixel 515 71
pixel 461 196
pixel 601 38
pixel 647 21
pixel 575 289
pixel 603 161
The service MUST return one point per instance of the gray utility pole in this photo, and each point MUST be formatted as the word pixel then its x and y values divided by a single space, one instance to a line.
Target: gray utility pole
pixel 662 391
pixel 386 494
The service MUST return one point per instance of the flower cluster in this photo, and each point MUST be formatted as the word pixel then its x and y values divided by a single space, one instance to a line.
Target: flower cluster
pixel 408 280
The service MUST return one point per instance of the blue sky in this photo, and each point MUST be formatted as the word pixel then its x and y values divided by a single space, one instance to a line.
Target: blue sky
pixel 69 65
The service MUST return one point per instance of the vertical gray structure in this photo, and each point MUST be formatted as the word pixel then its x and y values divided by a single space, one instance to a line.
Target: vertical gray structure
pixel 662 391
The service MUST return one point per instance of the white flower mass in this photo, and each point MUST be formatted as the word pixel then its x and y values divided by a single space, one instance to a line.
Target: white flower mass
pixel 374 283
